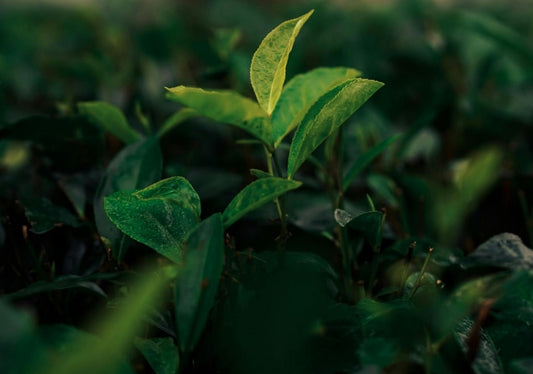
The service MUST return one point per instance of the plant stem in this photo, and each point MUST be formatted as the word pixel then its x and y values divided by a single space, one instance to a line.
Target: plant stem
pixel 421 274
pixel 280 204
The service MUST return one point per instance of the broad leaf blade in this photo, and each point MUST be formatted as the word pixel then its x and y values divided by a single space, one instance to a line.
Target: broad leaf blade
pixel 267 71
pixel 255 195
pixel 300 93
pixel 365 159
pixel 159 216
pixel 369 224
pixel 161 354
pixel 111 119
pixel 136 166
pixel 197 284
pixel 44 215
pixel 327 114
pixel 227 107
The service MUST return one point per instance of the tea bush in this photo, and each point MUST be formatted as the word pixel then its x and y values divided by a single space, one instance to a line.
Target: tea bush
pixel 302 241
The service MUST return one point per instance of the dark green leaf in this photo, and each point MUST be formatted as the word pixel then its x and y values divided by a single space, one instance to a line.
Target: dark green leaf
pixel 109 118
pixel 159 216
pixel 328 113
pixel 364 160
pixel 259 174
pixel 197 284
pixel 134 167
pixel 385 187
pixel 226 107
pixel 44 215
pixel 161 354
pixel 369 224
pixel 269 62
pixel 116 330
pixel 64 282
pixel 300 93
pixel 255 195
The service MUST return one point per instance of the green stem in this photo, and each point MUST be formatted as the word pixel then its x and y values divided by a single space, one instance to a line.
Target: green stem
pixel 421 274
pixel 527 217
pixel 280 204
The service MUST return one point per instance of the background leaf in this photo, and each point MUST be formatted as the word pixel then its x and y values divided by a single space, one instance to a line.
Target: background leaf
pixel 269 62
pixel 327 114
pixel 364 160
pixel 136 166
pixel 161 353
pixel 226 107
pixel 159 216
pixel 197 284
pixel 300 93
pixel 109 118
pixel 45 215
pixel 254 195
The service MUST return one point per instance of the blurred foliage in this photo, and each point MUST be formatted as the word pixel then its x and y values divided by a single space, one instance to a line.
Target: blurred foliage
pixel 441 158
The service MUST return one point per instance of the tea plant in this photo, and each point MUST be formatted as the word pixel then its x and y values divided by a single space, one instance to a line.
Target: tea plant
pixel 356 294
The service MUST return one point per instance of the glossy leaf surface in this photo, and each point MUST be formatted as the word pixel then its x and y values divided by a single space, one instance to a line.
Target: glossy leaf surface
pixel 300 93
pixel 227 107
pixel 134 167
pixel 159 216
pixel 197 284
pixel 255 195
pixel 329 112
pixel 269 62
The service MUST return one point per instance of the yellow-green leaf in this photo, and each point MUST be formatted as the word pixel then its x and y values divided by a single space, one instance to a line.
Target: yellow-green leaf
pixel 327 114
pixel 227 107
pixel 267 71
pixel 300 93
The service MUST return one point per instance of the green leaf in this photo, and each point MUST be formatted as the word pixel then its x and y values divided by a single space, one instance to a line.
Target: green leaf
pixel 161 354
pixel 255 195
pixel 472 177
pixel 64 282
pixel 44 215
pixel 109 118
pixel 369 224
pixel 227 107
pixel 259 174
pixel 175 119
pixel 197 284
pixel 300 93
pixel 364 160
pixel 116 330
pixel 384 187
pixel 159 216
pixel 501 251
pixel 269 62
pixel 327 114
pixel 135 166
